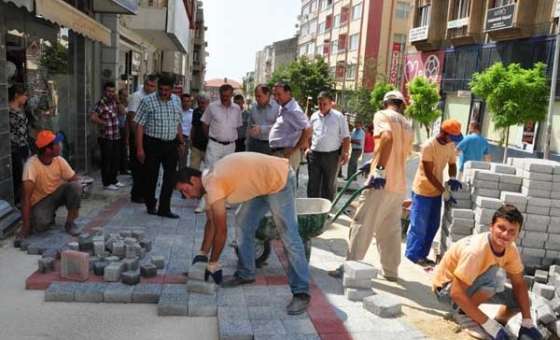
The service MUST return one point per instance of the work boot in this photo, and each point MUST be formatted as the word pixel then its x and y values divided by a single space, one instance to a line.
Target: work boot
pixel 72 229
pixel 235 281
pixel 337 273
pixel 299 304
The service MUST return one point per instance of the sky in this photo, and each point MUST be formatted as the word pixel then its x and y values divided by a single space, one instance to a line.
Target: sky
pixel 237 29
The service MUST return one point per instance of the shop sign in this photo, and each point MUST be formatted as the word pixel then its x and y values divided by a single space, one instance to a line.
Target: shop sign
pixel 458 23
pixel 418 33
pixel 427 64
pixel 135 62
pixel 500 18
pixel 396 56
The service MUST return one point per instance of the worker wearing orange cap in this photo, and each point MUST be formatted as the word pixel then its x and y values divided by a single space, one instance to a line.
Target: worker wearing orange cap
pixel 428 189
pixel 48 183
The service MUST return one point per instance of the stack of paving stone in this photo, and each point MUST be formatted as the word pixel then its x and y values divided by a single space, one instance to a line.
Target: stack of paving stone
pixel 197 283
pixel 9 218
pixel 357 280
pixel 462 224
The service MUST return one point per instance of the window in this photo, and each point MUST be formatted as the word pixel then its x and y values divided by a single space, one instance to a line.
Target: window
pixel 313 5
pixel 340 70
pixel 402 10
pixel 344 14
pixel 354 41
pixel 423 16
pixel 312 26
pixel 305 29
pixel 350 71
pixel 336 21
pixel 321 28
pixel 326 48
pixel 357 11
pixel 342 41
pixel 328 22
pixel 319 50
pixel 334 47
pixel 400 38
pixel 460 9
pixel 311 49
pixel 500 3
pixel 326 4
pixel 305 10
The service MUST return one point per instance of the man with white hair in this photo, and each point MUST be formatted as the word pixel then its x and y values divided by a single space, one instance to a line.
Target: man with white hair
pixel 379 209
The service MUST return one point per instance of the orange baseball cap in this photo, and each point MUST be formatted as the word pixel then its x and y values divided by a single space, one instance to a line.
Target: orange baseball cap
pixel 451 127
pixel 46 137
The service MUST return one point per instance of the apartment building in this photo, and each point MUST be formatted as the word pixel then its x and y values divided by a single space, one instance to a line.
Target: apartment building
pixel 272 57
pixel 450 40
pixel 361 40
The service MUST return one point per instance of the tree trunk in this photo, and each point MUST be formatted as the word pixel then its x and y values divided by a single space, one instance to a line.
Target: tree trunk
pixel 506 144
pixel 427 131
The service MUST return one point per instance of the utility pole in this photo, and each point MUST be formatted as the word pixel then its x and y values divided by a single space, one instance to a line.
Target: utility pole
pixel 551 99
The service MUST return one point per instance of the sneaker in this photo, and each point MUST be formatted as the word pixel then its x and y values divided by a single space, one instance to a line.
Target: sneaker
pixel 236 281
pixel 111 187
pixel 120 185
pixel 337 273
pixel 299 304
pixel 216 276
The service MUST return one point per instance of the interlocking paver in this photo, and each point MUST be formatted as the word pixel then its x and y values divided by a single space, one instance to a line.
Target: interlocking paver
pixel 146 293
pixel 118 293
pixel 202 305
pixel 90 292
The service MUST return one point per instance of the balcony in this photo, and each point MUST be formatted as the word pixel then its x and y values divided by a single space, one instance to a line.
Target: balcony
pixel 165 27
pixel 513 21
pixel 429 26
pixel 468 29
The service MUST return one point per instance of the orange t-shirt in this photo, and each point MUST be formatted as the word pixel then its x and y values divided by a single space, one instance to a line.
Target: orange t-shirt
pixel 440 156
pixel 47 178
pixel 242 176
pixel 471 257
pixel 401 129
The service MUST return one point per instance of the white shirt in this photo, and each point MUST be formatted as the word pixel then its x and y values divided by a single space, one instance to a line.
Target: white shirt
pixel 223 121
pixel 328 131
pixel 134 100
pixel 186 122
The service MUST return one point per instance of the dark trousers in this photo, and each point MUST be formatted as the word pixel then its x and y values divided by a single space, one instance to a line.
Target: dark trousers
pixel 159 153
pixel 240 145
pixel 110 158
pixel 353 162
pixel 123 161
pixel 322 167
pixel 137 171
pixel 260 146
pixel 19 156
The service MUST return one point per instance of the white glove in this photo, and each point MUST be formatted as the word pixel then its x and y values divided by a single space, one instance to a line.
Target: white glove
pixel 446 195
pixel 494 329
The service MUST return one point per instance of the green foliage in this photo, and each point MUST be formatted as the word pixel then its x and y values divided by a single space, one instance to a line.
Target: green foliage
pixel 55 58
pixel 359 104
pixel 306 77
pixel 424 102
pixel 513 94
pixel 378 93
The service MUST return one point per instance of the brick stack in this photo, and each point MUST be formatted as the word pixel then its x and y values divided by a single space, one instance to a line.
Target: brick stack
pixel 357 280
pixel 196 282
pixel 462 224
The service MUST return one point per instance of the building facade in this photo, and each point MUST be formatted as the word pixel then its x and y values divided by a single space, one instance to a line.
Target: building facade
pixel 212 87
pixel 272 57
pixel 362 40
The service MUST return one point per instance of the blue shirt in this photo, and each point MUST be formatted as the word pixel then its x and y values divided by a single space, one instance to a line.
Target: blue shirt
pixel 328 131
pixel 473 148
pixel 264 117
pixel 287 130
pixel 358 134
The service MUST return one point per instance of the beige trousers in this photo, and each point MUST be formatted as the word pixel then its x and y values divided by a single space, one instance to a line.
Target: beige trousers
pixel 295 158
pixel 197 156
pixel 378 214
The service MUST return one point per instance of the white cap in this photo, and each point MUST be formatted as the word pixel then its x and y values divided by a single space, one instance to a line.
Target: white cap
pixel 393 95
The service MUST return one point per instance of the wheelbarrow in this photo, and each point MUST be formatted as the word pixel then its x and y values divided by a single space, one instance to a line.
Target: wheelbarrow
pixel 364 169
pixel 312 214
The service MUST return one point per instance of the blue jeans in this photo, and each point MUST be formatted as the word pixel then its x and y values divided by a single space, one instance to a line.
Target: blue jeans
pixel 282 205
pixel 425 215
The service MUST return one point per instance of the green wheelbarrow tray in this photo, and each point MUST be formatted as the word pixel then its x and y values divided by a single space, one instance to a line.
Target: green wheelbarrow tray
pixel 312 214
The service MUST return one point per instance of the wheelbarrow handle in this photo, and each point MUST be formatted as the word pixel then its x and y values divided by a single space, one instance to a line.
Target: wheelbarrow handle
pixel 354 195
pixel 346 186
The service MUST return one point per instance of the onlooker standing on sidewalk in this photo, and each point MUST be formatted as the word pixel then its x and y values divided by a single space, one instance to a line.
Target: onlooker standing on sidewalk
pixel 199 140
pixel 474 147
pixel 137 168
pixel 159 139
pixel 105 115
pixel 124 130
pixel 186 125
pixel 221 120
pixel 379 208
pixel 291 132
pixel 263 115
pixel 429 188
pixel 357 141
pixel 330 144
pixel 241 142
pixel 19 135
pixel 369 146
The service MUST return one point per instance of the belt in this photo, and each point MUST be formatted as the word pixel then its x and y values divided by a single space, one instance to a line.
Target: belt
pixel 220 142
pixel 278 149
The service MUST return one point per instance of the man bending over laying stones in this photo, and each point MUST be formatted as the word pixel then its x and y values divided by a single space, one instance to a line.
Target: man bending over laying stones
pixel 261 183
pixel 473 272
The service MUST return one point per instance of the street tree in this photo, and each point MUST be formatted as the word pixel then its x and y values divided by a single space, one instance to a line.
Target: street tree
pixel 424 100
pixel 376 98
pixel 307 77
pixel 514 95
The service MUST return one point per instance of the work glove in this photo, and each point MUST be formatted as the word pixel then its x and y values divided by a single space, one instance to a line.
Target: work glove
pixel 454 184
pixel 377 180
pixel 365 169
pixel 448 198
pixel 495 330
pixel 528 331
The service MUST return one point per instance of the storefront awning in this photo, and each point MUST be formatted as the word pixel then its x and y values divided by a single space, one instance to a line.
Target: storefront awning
pixel 28 4
pixel 65 15
pixel 116 6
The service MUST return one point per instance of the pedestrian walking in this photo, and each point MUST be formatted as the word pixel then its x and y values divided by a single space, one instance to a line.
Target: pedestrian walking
pixel 263 115
pixel 186 126
pixel 330 144
pixel 262 184
pixel 291 131
pixel 105 115
pixel 428 189
pixel 357 141
pixel 137 168
pixel 159 139
pixel 19 135
pixel 124 131
pixel 241 142
pixel 380 206
pixel 473 147
pixel 199 140
pixel 369 146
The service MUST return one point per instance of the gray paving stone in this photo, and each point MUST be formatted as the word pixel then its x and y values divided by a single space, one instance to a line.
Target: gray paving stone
pixel 235 329
pixel 533 209
pixel 291 337
pixel 61 291
pixel 482 184
pixel 174 304
pixel 131 277
pixel 544 290
pixel 118 293
pixel 359 270
pixel 202 287
pixel 46 264
pixel 202 305
pixel 119 249
pixel 483 175
pixel 544 312
pixel 264 312
pixel 146 293
pixel 382 305
pixel 158 261
pixel 131 264
pixel 197 270
pixel 299 327
pixel 352 283
pixel 267 327
pixel 535 192
pixel 357 294
pixel 148 270
pixel 226 299
pixel 264 300
pixel 233 313
pixel 90 292
pixel 462 213
pixel 478 165
pixel 113 272
pixel 509 187
pixel 99 267
pixel 541 276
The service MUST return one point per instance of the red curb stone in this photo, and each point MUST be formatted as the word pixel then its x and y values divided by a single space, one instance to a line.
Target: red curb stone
pixel 40 281
pixel 174 279
pixel 329 326
pixel 260 280
pixel 276 280
pixel 338 336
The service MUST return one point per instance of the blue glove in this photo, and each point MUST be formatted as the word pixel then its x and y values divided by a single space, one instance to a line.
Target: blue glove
pixel 454 184
pixel 377 180
pixel 365 168
pixel 495 330
pixel 448 198
pixel 531 333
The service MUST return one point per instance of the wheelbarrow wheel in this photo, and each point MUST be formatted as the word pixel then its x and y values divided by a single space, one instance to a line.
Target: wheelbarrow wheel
pixel 262 252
